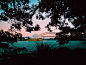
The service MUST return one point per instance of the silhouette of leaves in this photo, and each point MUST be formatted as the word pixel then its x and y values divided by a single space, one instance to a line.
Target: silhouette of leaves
pixel 37 28
pixel 57 8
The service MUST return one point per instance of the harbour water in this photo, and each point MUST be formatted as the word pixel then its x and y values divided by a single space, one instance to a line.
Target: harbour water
pixel 32 46
pixel 55 57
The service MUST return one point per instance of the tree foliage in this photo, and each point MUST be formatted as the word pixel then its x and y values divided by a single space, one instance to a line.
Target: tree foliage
pixel 68 8
pixel 9 37
pixel 55 9
pixel 16 10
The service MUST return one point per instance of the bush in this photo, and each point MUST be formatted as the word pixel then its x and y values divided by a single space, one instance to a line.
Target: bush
pixel 43 48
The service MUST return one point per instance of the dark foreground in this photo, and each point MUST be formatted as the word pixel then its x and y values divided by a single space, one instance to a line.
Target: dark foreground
pixel 44 57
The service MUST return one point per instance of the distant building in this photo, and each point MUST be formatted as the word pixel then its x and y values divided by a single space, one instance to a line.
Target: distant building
pixel 36 36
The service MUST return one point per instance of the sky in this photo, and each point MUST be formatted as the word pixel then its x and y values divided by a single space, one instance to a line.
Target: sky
pixel 5 26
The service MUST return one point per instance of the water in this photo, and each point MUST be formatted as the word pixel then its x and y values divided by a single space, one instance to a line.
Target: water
pixel 32 46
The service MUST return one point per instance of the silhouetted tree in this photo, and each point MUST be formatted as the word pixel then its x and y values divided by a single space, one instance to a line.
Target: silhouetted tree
pixel 37 27
pixel 55 9
pixel 17 11
pixel 9 37
pixel 68 8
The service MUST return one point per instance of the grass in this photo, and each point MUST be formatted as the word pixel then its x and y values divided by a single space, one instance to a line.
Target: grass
pixel 43 47
pixel 62 55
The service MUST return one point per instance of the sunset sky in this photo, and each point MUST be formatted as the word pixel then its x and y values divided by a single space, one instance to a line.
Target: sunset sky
pixel 5 26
